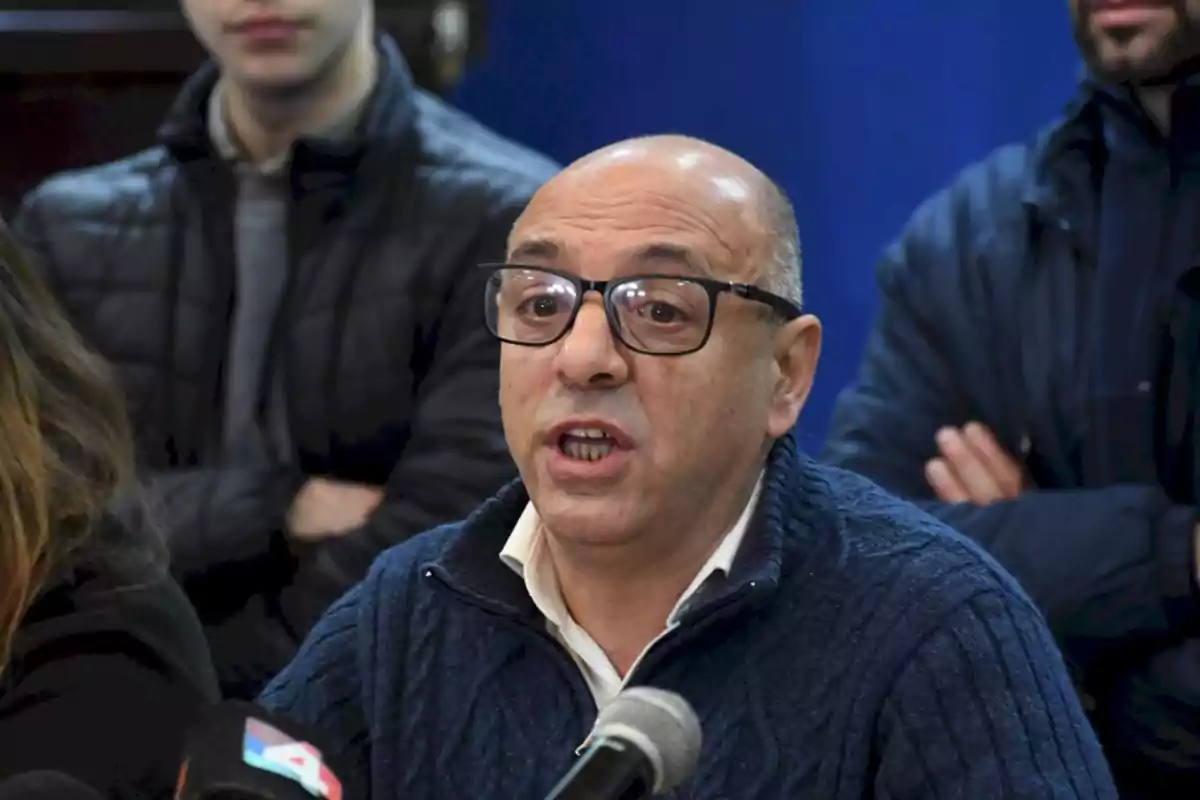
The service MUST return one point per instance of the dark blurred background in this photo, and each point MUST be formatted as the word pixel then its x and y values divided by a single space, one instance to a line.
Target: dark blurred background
pixel 858 109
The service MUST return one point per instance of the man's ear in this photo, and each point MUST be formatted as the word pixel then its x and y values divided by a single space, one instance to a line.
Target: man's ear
pixel 797 351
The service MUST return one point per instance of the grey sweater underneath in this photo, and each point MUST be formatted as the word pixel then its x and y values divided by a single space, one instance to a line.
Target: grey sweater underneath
pixel 256 424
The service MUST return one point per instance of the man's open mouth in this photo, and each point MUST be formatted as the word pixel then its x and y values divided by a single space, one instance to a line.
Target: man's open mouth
pixel 586 444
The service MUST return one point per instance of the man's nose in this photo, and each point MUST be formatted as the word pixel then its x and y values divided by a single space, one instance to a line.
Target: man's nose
pixel 590 354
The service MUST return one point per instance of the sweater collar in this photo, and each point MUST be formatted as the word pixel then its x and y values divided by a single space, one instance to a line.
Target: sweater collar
pixel 344 126
pixel 525 554
pixel 470 564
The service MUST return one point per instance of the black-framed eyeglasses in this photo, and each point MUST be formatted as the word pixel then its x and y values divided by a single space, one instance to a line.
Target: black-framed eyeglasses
pixel 657 315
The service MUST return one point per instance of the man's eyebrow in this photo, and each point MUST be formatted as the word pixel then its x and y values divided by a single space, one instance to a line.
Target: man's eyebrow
pixel 535 249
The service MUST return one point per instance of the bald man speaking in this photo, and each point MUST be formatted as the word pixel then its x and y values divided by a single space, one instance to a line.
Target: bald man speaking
pixel 834 641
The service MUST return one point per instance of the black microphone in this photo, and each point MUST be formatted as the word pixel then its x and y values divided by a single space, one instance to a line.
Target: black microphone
pixel 645 742
pixel 45 784
pixel 242 751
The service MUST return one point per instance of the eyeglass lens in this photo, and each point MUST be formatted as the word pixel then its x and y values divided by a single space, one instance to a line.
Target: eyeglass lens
pixel 657 315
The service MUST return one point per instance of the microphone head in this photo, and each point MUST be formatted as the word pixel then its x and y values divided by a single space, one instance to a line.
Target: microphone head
pixel 662 724
pixel 45 784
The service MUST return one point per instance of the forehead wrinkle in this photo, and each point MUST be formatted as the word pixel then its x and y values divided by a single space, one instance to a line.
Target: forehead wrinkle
pixel 675 221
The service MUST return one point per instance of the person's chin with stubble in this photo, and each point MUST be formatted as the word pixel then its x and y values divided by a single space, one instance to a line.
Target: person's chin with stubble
pixel 1144 42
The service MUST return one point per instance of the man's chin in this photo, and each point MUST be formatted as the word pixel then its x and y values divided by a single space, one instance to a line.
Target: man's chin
pixel 1144 58
pixel 592 520
pixel 1124 69
pixel 275 80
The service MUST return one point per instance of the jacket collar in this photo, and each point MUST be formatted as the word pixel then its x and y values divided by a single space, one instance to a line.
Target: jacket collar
pixel 1065 165
pixel 470 564
pixel 385 126
pixel 344 125
pixel 1068 159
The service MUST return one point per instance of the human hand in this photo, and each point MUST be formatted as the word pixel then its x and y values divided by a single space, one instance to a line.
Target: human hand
pixel 973 468
pixel 323 509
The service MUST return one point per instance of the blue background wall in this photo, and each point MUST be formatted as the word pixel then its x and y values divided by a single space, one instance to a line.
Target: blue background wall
pixel 859 108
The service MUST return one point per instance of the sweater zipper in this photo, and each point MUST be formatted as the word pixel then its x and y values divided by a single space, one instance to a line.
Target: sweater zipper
pixel 656 642
pixel 671 639
pixel 517 623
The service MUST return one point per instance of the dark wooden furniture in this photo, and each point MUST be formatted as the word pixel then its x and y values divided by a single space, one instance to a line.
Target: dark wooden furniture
pixel 80 87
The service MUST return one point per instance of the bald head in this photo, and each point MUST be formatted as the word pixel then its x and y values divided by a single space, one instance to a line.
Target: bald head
pixel 723 192
pixel 681 153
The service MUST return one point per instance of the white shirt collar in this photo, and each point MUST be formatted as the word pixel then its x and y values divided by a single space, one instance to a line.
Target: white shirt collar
pixel 525 554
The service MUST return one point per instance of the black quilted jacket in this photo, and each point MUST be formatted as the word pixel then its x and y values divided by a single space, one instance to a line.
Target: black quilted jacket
pixel 390 375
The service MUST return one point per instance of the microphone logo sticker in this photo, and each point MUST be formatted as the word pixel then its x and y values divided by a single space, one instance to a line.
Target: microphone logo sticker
pixel 270 749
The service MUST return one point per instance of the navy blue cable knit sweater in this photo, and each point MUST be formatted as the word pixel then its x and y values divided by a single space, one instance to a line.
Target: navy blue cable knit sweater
pixel 858 649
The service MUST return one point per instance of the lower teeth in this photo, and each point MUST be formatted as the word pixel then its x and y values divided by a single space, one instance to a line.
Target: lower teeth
pixel 586 452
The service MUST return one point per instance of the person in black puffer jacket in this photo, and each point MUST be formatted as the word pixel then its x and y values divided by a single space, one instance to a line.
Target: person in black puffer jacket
pixel 287 284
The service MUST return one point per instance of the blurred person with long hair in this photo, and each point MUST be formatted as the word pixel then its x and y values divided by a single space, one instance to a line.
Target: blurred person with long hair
pixel 286 284
pixel 102 660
